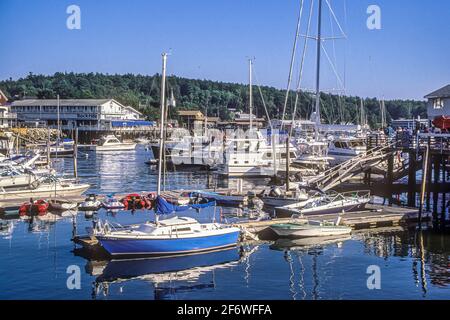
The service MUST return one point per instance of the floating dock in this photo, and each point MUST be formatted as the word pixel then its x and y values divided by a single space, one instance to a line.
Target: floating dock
pixel 375 216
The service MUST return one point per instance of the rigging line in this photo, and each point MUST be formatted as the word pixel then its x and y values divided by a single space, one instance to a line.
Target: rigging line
pixel 262 97
pixel 302 63
pixel 294 50
pixel 332 65
pixel 335 18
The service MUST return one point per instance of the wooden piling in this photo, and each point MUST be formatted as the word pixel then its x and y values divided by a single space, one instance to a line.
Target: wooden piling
pixel 412 168
pixel 424 183
pixel 436 175
pixel 390 176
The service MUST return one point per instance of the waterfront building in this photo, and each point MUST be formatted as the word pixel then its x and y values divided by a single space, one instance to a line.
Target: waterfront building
pixel 84 114
pixel 7 119
pixel 438 104
pixel 410 123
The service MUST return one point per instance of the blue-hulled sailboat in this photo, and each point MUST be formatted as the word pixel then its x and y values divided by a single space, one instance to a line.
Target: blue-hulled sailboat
pixel 178 235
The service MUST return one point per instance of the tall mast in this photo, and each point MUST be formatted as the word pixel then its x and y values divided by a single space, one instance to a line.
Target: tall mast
pixel 163 113
pixel 250 64
pixel 319 43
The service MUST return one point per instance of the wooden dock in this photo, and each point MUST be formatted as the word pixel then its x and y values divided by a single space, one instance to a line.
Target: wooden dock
pixel 376 216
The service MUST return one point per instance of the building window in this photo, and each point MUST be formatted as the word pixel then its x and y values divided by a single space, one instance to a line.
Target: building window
pixel 438 103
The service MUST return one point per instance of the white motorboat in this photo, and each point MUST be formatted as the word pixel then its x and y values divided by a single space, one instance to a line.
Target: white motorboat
pixel 343 148
pixel 303 228
pixel 251 155
pixel 111 143
pixel 329 203
pixel 45 187
pixel 278 197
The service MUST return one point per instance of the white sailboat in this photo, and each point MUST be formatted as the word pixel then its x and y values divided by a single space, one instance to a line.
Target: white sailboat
pixel 174 236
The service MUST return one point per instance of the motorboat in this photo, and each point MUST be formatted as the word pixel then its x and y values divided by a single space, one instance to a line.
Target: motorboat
pixel 173 236
pixel 344 148
pixel 111 143
pixel 91 203
pixel 278 196
pixel 299 227
pixel 251 155
pixel 45 187
pixel 111 203
pixel 329 203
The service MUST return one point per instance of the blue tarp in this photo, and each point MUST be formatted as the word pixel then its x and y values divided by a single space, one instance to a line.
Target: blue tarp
pixel 132 123
pixel 164 207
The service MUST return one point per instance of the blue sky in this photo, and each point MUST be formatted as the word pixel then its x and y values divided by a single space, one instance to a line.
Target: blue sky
pixel 212 39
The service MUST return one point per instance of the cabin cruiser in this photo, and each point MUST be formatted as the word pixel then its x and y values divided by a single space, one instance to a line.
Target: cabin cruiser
pixel 313 156
pixel 251 155
pixel 196 151
pixel 342 149
pixel 111 143
pixel 14 177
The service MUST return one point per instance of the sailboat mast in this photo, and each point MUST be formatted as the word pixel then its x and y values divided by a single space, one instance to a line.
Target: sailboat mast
pixel 163 113
pixel 319 43
pixel 250 65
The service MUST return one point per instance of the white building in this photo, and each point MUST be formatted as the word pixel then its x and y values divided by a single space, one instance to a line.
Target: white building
pixel 85 114
pixel 6 117
pixel 438 103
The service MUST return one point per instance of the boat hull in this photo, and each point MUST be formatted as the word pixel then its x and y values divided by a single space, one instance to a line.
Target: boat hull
pixel 43 193
pixel 122 147
pixel 168 246
pixel 284 213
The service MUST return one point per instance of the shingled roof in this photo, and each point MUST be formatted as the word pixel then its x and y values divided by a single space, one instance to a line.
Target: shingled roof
pixel 441 93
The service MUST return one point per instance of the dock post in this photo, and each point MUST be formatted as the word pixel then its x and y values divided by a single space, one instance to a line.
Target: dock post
pixel 412 167
pixel 429 167
pixel 424 183
pixel 444 200
pixel 75 154
pixel 436 174
pixel 390 176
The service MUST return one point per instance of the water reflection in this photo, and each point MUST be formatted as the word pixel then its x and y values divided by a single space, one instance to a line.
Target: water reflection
pixel 169 276
pixel 295 251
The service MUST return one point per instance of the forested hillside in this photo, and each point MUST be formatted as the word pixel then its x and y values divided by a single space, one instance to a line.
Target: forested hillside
pixel 143 93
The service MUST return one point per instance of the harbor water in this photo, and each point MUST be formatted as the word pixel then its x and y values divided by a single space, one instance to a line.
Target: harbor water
pixel 38 260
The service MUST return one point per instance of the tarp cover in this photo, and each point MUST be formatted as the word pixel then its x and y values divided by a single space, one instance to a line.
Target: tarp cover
pixel 165 207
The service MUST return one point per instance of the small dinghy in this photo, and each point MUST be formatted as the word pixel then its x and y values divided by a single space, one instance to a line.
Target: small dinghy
pixel 111 203
pixel 37 207
pixel 91 203
pixel 299 227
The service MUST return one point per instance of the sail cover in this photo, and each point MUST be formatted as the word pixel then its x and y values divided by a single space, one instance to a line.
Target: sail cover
pixel 165 207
